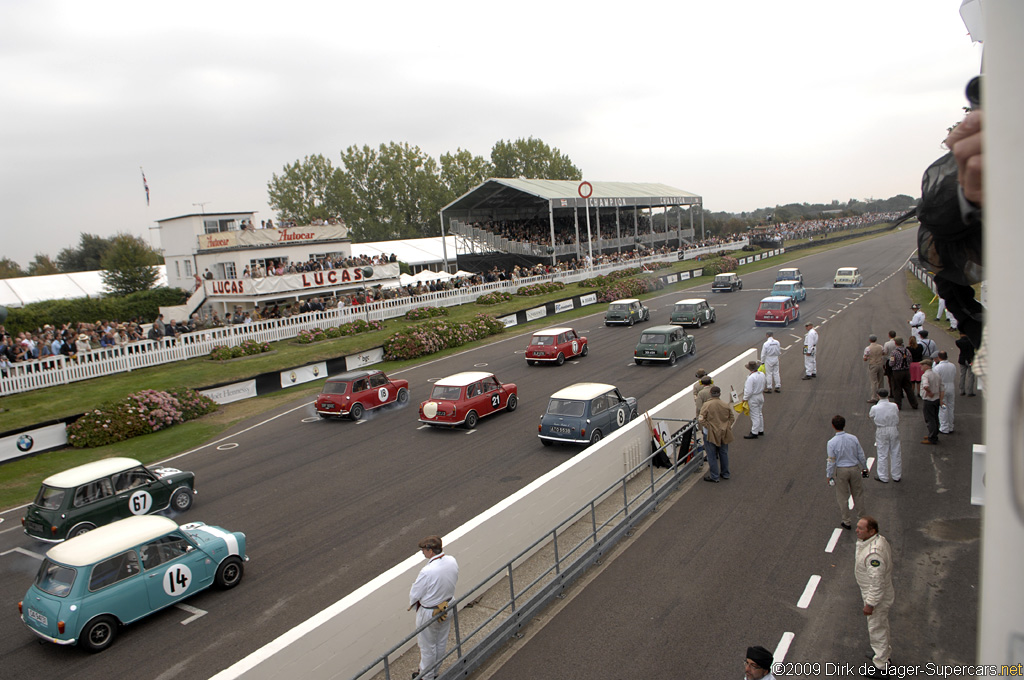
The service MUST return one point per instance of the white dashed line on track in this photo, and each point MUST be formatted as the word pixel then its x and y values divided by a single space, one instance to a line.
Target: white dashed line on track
pixel 836 533
pixel 782 649
pixel 812 585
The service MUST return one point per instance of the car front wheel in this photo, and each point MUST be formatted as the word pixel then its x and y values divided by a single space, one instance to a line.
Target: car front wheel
pixel 181 500
pixel 403 396
pixel 585 351
pixel 512 403
pixel 229 573
pixel 356 412
pixel 99 633
pixel 471 420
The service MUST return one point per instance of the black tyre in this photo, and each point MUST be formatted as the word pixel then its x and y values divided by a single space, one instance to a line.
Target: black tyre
pixel 181 499
pixel 471 420
pixel 80 529
pixel 699 322
pixel 531 363
pixel 595 436
pixel 561 359
pixel 631 321
pixel 693 348
pixel 639 362
pixel 99 633
pixel 229 573
pixel 512 403
pixel 403 396
pixel 714 318
pixel 672 359
pixel 545 442
pixel 632 415
pixel 585 351
pixel 356 412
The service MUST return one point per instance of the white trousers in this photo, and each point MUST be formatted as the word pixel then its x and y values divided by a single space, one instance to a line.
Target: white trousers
pixel 433 641
pixel 946 412
pixel 878 631
pixel 889 464
pixel 810 364
pixel 756 404
pixel 771 374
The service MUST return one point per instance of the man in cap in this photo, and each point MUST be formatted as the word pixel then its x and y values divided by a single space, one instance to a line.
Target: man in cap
pixel 701 397
pixel 810 352
pixel 698 386
pixel 917 321
pixel 770 353
pixel 873 570
pixel 931 395
pixel 753 394
pixel 758 664
pixel 430 594
pixel 717 420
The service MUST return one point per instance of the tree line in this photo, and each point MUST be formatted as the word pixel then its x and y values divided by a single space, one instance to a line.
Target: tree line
pixel 396 190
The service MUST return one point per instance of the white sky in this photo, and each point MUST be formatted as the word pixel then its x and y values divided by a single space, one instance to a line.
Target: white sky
pixel 748 103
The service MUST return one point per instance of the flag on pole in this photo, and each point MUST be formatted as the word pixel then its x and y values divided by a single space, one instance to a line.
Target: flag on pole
pixel 145 184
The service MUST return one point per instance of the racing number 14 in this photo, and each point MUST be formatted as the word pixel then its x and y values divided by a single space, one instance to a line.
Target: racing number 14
pixel 177 580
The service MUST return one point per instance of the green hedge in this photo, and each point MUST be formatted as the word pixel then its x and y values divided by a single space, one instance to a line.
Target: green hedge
pixel 143 304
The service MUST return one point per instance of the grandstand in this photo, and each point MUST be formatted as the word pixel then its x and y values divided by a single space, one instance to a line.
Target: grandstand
pixel 508 222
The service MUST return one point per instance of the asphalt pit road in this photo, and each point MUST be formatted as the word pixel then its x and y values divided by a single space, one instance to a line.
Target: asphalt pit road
pixel 962 530
pixel 512 478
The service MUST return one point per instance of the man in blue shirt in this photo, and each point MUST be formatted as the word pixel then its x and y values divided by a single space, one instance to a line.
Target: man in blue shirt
pixel 844 470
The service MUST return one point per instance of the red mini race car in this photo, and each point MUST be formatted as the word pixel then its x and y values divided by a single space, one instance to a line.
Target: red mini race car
pixel 555 345
pixel 352 394
pixel 465 398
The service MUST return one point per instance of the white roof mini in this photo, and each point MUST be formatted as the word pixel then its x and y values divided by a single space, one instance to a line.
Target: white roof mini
pixel 582 391
pixel 109 540
pixel 89 472
pixel 847 270
pixel 691 301
pixel 553 331
pixel 625 301
pixel 777 298
pixel 725 274
pixel 786 282
pixel 463 379
pixel 789 269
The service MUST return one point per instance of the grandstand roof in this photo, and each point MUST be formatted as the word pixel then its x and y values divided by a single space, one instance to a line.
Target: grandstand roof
pixel 501 195
pixel 23 290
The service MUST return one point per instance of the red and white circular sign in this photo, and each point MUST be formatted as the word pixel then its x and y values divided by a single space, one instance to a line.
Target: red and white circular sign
pixel 586 189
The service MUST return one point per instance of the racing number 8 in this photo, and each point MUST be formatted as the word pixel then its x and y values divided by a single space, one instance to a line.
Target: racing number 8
pixel 620 417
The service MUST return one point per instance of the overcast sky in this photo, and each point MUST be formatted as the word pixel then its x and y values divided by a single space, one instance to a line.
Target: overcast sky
pixel 747 103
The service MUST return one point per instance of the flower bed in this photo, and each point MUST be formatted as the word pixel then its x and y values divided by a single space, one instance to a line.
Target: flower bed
pixel 725 264
pixel 139 413
pixel 312 335
pixel 540 288
pixel 246 349
pixel 629 288
pixel 497 297
pixel 421 313
pixel 435 335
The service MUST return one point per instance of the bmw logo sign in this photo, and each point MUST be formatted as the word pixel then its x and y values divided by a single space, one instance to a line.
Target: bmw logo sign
pixel 25 443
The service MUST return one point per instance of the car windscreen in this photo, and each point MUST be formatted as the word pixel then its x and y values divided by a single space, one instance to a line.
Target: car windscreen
pixel 565 407
pixel 771 305
pixel 543 340
pixel 445 392
pixel 335 388
pixel 652 339
pixel 686 308
pixel 50 497
pixel 55 579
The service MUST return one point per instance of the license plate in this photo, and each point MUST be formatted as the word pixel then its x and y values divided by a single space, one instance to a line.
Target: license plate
pixel 328 407
pixel 650 352
pixel 538 354
pixel 36 616
pixel 561 430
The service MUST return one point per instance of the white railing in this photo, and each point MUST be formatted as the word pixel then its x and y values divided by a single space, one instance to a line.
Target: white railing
pixel 50 371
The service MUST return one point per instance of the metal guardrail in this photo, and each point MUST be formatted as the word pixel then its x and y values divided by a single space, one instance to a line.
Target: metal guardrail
pixel 572 550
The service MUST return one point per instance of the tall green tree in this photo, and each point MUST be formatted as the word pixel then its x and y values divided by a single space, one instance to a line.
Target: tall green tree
pixel 9 269
pixel 86 257
pixel 533 159
pixel 129 265
pixel 391 192
pixel 42 265
pixel 461 171
pixel 306 190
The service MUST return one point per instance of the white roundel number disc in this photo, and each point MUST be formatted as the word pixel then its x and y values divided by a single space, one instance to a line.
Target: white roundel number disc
pixel 575 347
pixel 382 394
pixel 177 580
pixel 620 417
pixel 140 503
